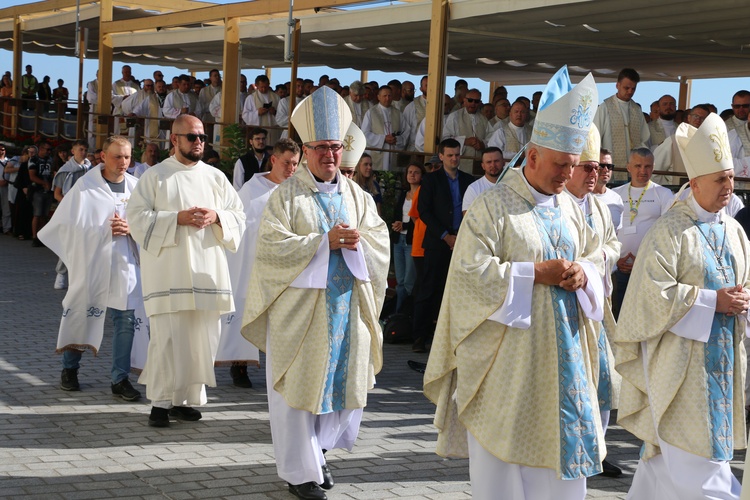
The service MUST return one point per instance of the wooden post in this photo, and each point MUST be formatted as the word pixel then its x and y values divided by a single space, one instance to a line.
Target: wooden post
pixel 17 74
pixel 230 87
pixel 437 67
pixel 363 76
pixel 104 104
pixel 296 35
pixel 683 101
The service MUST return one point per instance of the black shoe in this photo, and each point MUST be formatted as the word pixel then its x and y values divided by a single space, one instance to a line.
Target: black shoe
pixel 36 243
pixel 239 376
pixel 417 366
pixel 327 483
pixel 609 470
pixel 185 413
pixel 159 417
pixel 419 346
pixel 69 380
pixel 125 390
pixel 307 491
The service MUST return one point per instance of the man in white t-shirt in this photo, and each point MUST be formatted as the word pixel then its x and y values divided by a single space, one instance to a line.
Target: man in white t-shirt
pixel 644 202
pixel 492 164
pixel 608 196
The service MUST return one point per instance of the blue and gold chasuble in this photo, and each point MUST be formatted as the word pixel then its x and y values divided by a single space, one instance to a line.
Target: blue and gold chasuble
pixel 579 450
pixel 719 350
pixel 332 211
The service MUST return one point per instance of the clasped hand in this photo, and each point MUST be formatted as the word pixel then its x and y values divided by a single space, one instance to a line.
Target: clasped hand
pixel 732 300
pixel 197 217
pixel 120 226
pixel 560 272
pixel 340 236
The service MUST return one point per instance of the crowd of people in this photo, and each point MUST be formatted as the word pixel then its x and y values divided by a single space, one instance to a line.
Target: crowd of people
pixel 517 281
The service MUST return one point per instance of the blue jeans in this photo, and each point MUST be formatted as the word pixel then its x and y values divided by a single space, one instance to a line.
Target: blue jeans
pixel 406 273
pixel 122 344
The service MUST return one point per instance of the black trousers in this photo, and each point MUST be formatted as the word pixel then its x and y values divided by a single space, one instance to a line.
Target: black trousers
pixel 431 287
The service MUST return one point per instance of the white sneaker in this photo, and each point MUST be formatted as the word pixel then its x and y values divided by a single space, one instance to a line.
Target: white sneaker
pixel 61 282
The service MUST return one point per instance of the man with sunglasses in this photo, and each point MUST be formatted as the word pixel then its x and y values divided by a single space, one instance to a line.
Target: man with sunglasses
pixel 606 195
pixel 184 214
pixel 598 217
pixel 315 293
pixel 740 111
pixel 470 128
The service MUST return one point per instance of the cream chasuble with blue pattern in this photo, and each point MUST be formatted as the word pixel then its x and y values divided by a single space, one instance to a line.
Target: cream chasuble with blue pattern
pixel 527 395
pixel 693 392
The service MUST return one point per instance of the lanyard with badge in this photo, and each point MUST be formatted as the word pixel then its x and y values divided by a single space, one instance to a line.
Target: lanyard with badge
pixel 634 209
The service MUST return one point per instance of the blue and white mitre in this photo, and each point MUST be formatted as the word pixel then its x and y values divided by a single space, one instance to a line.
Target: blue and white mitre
pixel 704 150
pixel 322 116
pixel 565 113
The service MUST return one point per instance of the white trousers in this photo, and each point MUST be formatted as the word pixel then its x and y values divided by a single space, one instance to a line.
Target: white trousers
pixel 493 479
pixel 181 355
pixel 299 437
pixel 679 475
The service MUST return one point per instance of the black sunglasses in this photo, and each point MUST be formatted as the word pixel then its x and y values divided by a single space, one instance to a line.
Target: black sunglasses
pixel 608 166
pixel 192 137
pixel 469 99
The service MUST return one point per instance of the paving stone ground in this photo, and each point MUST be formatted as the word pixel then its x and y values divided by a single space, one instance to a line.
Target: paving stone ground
pixel 88 445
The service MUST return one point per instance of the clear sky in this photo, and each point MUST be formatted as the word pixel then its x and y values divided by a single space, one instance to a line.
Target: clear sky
pixel 716 91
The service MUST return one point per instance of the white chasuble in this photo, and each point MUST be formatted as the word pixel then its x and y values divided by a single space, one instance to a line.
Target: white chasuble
pixel 527 395
pixel 184 267
pixel 287 298
pixel 684 383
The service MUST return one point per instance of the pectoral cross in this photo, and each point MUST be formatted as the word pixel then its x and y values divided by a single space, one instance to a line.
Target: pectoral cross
pixel 723 270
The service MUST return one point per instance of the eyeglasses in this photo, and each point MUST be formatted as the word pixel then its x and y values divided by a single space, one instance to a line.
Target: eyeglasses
pixel 476 101
pixel 589 168
pixel 738 106
pixel 192 137
pixel 322 149
pixel 608 166
pixel 349 172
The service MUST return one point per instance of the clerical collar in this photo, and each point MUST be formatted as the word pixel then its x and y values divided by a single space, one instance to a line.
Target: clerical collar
pixel 541 199
pixel 514 126
pixel 325 186
pixel 703 215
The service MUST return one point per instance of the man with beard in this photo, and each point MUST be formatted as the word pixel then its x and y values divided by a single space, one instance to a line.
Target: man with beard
pixel 144 104
pixel 469 127
pixel 161 91
pixel 252 162
pixel 492 164
pixel 184 214
pixel 664 126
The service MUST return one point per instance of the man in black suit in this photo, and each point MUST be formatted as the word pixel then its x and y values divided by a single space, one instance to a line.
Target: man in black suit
pixel 440 199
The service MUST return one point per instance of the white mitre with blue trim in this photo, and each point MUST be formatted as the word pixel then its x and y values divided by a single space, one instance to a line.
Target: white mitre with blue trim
pixel 321 116
pixel 565 113
pixel 355 143
pixel 704 150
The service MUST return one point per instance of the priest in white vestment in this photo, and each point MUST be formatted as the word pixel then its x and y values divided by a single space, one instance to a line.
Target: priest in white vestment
pixel 315 294
pixel 144 104
pixel 383 128
pixel 184 214
pixel 260 108
pixel 234 349
pixel 678 342
pixel 598 216
pixel 121 89
pixel 470 128
pixel 514 364
pixel 181 101
pixel 89 232
pixel 512 135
